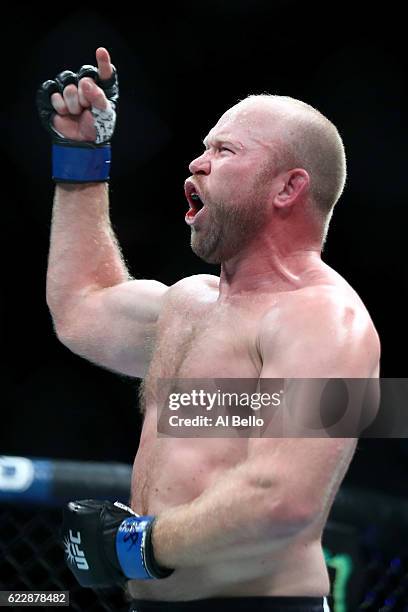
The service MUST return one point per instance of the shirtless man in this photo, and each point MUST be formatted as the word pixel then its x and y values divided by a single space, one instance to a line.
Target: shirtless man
pixel 231 523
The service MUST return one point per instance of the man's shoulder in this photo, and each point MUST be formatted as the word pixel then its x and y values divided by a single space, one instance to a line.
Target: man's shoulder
pixel 323 296
pixel 322 330
pixel 322 308
pixel 195 286
pixel 197 280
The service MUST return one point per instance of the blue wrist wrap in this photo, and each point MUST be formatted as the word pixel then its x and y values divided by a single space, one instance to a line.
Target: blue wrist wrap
pixel 130 546
pixel 80 164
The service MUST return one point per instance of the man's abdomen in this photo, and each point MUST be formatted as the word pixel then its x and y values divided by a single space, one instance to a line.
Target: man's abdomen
pixel 168 472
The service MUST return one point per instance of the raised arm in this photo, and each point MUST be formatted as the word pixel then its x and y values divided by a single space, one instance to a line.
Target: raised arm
pixel 98 311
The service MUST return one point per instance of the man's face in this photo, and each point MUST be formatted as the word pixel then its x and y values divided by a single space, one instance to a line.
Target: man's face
pixel 233 179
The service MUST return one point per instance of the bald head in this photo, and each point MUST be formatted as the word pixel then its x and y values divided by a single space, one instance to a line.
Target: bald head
pixel 299 136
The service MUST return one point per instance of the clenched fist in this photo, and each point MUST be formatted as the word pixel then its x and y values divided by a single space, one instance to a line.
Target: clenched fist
pixel 79 110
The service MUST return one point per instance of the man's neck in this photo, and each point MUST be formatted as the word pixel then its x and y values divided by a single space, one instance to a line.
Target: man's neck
pixel 268 267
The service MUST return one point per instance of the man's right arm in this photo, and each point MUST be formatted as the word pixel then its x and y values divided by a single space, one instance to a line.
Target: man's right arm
pixel 98 311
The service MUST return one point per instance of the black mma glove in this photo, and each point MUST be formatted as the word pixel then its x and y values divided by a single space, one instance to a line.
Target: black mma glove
pixel 75 161
pixel 107 544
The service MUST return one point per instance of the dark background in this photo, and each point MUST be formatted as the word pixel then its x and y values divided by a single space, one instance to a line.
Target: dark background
pixel 180 67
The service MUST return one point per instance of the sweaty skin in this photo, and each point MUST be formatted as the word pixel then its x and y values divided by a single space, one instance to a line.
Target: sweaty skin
pixel 236 516
pixel 169 472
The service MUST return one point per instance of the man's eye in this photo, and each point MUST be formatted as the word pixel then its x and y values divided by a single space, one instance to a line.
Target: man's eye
pixel 224 149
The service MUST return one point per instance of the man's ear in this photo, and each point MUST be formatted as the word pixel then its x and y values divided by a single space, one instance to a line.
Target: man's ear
pixel 293 186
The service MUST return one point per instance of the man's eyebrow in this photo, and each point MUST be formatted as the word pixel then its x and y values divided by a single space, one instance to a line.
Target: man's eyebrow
pixel 220 139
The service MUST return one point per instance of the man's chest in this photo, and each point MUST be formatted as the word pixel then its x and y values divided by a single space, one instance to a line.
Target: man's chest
pixel 207 341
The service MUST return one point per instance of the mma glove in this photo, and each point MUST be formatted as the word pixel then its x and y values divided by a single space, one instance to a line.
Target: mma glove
pixel 76 161
pixel 107 543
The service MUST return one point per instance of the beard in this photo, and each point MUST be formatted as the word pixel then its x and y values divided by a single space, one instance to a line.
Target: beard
pixel 229 227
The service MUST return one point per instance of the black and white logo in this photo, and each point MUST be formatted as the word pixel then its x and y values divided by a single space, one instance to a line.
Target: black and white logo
pixel 74 554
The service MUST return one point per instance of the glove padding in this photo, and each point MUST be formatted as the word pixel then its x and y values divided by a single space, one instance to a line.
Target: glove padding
pixel 80 161
pixel 107 544
pixel 104 120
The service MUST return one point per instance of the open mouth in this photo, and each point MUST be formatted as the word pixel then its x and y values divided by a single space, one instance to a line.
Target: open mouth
pixel 194 200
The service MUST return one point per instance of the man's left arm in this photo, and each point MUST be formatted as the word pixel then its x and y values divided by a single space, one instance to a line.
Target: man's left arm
pixel 283 486
pixel 285 483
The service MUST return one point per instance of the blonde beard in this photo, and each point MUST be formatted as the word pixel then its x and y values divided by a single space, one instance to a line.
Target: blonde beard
pixel 229 230
pixel 235 225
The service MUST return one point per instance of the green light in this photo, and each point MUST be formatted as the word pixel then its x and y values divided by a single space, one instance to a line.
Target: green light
pixel 343 567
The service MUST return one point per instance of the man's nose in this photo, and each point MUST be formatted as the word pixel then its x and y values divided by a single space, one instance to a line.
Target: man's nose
pixel 200 165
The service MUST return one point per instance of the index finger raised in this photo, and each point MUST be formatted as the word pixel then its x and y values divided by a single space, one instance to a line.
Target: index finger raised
pixel 104 64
